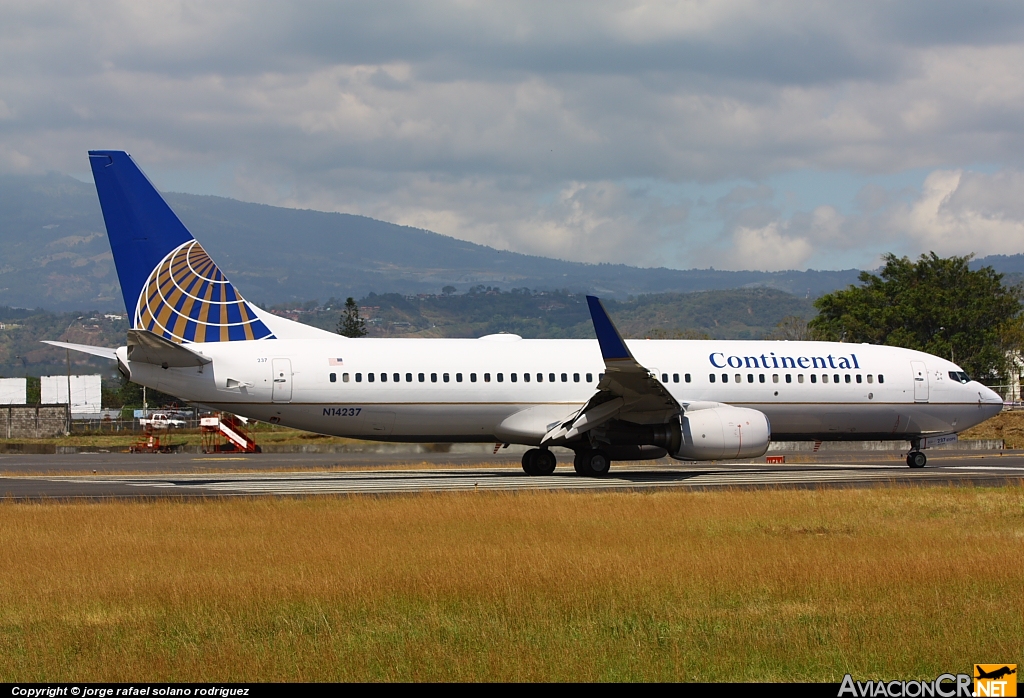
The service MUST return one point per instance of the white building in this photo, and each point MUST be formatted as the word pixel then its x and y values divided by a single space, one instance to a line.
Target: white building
pixel 85 393
pixel 14 391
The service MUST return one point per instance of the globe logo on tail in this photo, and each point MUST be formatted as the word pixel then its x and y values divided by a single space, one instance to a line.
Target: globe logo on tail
pixel 188 299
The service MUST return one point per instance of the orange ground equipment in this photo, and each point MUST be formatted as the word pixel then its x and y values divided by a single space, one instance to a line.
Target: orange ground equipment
pixel 226 433
pixel 150 443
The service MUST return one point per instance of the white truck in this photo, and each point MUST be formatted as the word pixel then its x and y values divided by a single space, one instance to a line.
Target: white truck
pixel 163 420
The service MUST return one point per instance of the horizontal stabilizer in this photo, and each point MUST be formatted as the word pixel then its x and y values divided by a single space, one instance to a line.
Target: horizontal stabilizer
pixel 105 352
pixel 151 348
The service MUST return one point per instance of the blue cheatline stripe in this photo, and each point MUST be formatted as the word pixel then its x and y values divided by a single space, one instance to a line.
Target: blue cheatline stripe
pixel 612 346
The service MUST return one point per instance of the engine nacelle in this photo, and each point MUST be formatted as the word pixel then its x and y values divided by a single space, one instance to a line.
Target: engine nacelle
pixel 719 433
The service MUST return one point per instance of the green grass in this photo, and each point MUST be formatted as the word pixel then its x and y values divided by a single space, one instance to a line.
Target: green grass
pixel 734 586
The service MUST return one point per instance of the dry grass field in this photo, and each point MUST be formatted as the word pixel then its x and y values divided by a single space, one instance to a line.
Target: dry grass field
pixel 769 585
pixel 1008 426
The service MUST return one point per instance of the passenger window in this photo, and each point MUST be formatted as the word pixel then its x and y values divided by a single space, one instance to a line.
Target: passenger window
pixel 799 378
pixel 687 377
pixel 725 377
pixel 835 378
pixel 334 377
pixel 513 377
pixel 775 378
pixel 433 377
pixel 675 377
pixel 750 377
pixel 814 377
pixel 847 377
pixel 458 377
pixel 344 378
pixel 590 377
pixel 859 378
pixel 422 377
pixel 359 378
pixel 789 377
pixel 487 378
pixel 397 377
pixel 526 377
pixel 824 378
pixel 383 378
pixel 739 378
pixel 871 378
pixel 540 377
pixel 551 377
pixel 760 378
pixel 408 378
pixel 664 378
pixel 565 378
pixel 711 377
pixel 881 378
pixel 472 378
pixel 370 377
pixel 444 377
pixel 575 378
pixel 501 377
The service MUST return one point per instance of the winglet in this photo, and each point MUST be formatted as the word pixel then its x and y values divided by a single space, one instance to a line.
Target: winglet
pixel 612 346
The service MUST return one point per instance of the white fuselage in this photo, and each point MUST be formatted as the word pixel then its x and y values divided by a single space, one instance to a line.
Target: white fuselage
pixel 467 389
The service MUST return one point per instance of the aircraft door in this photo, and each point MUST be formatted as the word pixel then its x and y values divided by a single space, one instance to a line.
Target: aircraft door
pixel 920 381
pixel 282 391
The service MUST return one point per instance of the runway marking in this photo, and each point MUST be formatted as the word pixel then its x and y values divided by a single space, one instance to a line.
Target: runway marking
pixel 508 479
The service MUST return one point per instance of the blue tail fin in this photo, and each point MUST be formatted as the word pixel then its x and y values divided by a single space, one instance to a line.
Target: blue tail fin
pixel 171 287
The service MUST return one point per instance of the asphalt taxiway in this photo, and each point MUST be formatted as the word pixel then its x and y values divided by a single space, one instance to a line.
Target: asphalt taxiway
pixel 103 476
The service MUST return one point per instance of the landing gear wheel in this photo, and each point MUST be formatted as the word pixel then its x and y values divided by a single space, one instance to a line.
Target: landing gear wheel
pixel 916 459
pixel 544 463
pixel 593 462
pixel 530 461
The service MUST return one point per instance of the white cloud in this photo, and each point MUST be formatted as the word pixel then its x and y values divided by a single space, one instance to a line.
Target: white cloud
pixel 962 212
pixel 767 248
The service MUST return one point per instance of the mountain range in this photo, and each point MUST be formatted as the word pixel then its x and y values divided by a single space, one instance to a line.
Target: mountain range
pixel 54 254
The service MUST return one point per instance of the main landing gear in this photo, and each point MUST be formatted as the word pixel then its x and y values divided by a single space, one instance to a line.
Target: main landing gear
pixel 592 462
pixel 539 461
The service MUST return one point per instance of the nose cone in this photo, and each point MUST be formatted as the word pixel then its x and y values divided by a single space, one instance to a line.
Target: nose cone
pixel 988 400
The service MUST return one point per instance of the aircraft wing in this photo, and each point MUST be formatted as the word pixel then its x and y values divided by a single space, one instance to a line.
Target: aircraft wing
pixel 627 391
pixel 105 352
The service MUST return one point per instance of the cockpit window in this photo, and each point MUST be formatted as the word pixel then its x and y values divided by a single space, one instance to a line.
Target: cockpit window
pixel 959 376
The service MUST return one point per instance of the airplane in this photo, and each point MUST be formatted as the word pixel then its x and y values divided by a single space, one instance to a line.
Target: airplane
pixel 996 674
pixel 194 336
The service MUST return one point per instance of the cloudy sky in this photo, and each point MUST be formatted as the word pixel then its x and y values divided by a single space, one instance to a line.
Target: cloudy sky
pixel 734 134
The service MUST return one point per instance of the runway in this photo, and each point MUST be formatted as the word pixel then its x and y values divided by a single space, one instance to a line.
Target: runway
pixel 238 479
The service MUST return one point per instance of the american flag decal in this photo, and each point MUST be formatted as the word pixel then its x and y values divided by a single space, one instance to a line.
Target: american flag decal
pixel 335 362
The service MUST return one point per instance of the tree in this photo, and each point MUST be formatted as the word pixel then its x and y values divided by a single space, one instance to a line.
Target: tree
pixel 790 327
pixel 350 324
pixel 935 305
pixel 448 290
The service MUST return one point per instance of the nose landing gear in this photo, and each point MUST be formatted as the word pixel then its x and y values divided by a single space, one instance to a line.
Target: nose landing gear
pixel 916 459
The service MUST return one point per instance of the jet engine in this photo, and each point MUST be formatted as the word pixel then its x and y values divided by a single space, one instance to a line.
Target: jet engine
pixel 718 433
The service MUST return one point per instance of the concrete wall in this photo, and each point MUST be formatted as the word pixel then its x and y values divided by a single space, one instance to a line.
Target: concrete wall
pixel 32 421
